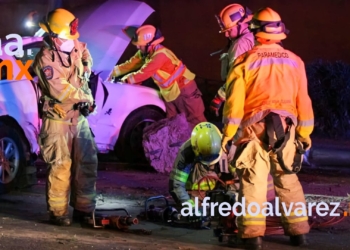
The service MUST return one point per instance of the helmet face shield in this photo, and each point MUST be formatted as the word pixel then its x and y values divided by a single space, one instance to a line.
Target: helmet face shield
pixel 267 24
pixel 60 23
pixel 74 27
pixel 206 143
pixel 209 159
pixel 144 35
pixel 233 15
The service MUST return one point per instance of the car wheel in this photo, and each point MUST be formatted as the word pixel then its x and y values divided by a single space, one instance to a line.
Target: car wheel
pixel 129 147
pixel 12 158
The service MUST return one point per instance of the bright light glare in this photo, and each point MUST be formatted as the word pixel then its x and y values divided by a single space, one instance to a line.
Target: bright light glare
pixel 30 24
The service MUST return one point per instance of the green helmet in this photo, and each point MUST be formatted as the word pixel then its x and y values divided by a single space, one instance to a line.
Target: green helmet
pixel 206 143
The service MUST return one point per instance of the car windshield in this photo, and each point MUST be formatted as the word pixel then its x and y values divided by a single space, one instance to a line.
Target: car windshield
pixel 30 52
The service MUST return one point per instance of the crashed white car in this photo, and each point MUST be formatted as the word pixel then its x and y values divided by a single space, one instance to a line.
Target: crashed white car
pixel 122 110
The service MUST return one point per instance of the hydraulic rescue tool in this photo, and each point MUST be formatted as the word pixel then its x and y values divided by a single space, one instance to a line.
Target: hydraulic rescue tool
pixel 120 222
pixel 169 214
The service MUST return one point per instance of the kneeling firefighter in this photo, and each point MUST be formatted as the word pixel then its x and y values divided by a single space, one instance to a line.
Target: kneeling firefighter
pixel 202 166
pixel 199 165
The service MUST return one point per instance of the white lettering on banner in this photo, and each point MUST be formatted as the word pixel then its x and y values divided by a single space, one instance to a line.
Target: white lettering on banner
pixel 286 211
pixel 196 208
pixel 18 44
pixel 257 210
pixel 147 36
pixel 254 209
pixel 302 208
pixel 336 205
pixel 319 208
pixel 267 206
pixel 226 208
pixel 277 212
pixel 187 209
pixel 213 207
pixel 242 205
pixel 311 205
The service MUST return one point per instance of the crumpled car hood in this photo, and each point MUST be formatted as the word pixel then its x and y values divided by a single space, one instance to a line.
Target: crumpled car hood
pixel 100 26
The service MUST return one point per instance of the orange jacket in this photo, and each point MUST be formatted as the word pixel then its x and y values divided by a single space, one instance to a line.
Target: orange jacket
pixel 167 71
pixel 267 78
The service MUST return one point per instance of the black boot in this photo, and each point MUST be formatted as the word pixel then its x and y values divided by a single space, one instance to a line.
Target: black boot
pixel 60 220
pixel 253 243
pixel 298 240
pixel 80 216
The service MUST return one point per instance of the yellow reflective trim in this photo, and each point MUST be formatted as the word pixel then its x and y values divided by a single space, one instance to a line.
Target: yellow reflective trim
pixel 254 219
pixel 61 121
pixel 253 216
pixel 192 202
pixel 163 74
pixel 254 223
pixel 188 74
pixel 232 169
pixel 292 214
pixel 116 71
pixel 65 92
pixel 204 185
pixel 296 220
pixel 181 176
pixel 169 54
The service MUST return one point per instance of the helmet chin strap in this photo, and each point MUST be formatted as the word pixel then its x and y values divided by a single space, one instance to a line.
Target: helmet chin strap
pixel 145 54
pixel 53 43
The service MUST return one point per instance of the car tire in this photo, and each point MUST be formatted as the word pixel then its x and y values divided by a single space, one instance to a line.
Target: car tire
pixel 129 147
pixel 12 158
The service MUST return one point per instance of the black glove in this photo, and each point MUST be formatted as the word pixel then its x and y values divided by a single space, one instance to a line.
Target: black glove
pixel 83 107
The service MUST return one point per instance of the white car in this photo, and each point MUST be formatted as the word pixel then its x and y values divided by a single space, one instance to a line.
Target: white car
pixel 122 110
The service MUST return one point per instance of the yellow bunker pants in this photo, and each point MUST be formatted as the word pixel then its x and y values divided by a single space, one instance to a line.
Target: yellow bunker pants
pixel 71 155
pixel 254 163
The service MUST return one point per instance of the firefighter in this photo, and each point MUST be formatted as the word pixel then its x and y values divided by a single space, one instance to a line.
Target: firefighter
pixel 267 98
pixel 233 21
pixel 175 81
pixel 65 139
pixel 197 168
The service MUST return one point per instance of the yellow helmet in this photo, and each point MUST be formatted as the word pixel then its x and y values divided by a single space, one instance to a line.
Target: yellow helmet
pixel 61 23
pixel 144 35
pixel 206 143
pixel 233 15
pixel 267 24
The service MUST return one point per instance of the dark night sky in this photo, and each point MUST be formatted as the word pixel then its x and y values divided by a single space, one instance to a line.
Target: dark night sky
pixel 317 28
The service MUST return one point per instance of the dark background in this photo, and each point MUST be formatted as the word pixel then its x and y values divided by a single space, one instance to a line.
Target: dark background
pixel 318 29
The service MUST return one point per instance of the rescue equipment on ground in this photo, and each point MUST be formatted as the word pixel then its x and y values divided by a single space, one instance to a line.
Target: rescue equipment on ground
pixel 167 213
pixel 112 221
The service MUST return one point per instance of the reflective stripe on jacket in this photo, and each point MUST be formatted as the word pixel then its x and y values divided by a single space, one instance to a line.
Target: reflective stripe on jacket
pixel 65 84
pixel 267 78
pixel 181 176
pixel 167 71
